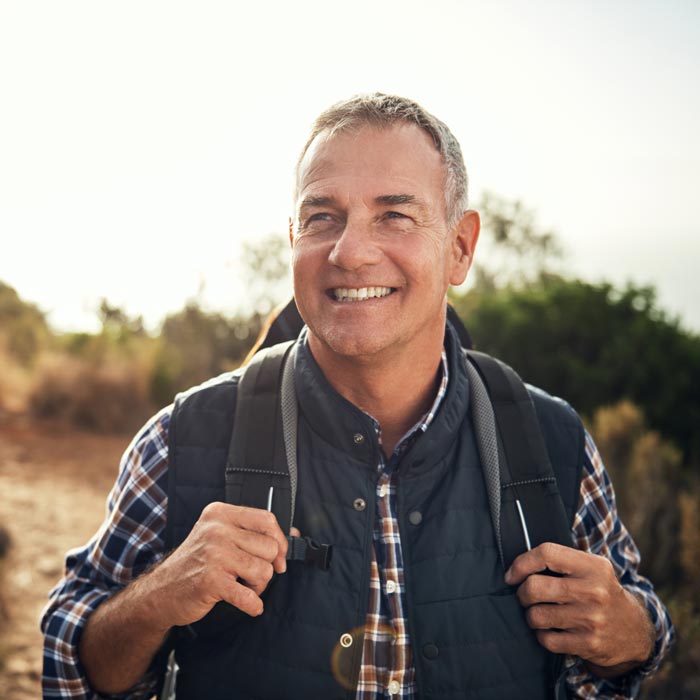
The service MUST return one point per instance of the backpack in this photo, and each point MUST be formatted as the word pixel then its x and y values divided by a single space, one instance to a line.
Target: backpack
pixel 526 508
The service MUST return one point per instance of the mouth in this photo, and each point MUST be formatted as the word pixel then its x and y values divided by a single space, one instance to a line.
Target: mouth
pixel 347 294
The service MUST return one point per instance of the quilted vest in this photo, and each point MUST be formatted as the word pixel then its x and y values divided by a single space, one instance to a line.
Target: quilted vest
pixel 468 631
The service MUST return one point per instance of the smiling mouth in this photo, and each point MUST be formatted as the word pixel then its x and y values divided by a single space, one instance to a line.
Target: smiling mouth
pixel 361 294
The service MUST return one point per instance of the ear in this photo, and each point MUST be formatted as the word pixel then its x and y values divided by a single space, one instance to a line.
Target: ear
pixel 291 231
pixel 464 237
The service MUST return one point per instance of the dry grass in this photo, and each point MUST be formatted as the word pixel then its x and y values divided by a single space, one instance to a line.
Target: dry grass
pixel 15 382
pixel 109 396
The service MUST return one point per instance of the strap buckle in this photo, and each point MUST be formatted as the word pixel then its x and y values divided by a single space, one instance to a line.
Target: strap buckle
pixel 306 550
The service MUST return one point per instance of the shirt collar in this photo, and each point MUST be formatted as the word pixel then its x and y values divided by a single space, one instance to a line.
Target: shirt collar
pixel 426 419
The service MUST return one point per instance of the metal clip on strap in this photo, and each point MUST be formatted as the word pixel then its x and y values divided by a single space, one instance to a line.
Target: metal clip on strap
pixel 306 550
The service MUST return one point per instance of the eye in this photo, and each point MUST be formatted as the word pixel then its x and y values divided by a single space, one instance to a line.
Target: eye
pixel 319 217
pixel 395 215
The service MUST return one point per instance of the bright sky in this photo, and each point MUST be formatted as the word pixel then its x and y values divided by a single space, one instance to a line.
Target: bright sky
pixel 142 142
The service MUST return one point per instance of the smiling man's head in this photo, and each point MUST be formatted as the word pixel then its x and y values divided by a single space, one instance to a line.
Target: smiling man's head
pixel 380 229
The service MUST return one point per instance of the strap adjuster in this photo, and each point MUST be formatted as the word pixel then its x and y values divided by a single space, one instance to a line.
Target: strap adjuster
pixel 310 552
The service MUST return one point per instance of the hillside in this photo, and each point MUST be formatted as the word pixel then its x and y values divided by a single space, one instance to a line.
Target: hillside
pixel 53 483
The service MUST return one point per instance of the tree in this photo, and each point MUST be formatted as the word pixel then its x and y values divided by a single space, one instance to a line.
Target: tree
pixel 23 328
pixel 195 345
pixel 266 272
pixel 595 345
pixel 512 249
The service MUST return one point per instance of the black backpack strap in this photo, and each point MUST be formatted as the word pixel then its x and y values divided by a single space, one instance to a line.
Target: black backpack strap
pixel 257 474
pixel 261 472
pixel 531 509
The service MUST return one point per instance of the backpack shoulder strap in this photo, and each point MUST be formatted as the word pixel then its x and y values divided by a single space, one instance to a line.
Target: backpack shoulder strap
pixel 261 463
pixel 261 468
pixel 524 498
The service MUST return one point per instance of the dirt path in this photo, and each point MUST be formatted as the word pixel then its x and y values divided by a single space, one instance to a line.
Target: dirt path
pixel 53 485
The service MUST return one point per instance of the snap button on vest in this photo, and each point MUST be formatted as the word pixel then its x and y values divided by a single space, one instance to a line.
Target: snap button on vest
pixel 430 651
pixel 393 687
pixel 415 518
pixel 359 504
pixel 358 438
pixel 346 640
pixel 391 586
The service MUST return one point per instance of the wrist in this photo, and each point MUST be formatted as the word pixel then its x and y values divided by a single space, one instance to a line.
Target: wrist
pixel 640 645
pixel 149 600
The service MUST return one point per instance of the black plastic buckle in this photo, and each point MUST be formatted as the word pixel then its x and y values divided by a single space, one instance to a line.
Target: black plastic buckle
pixel 310 552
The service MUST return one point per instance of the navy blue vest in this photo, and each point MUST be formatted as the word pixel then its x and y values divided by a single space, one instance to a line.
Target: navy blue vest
pixel 468 631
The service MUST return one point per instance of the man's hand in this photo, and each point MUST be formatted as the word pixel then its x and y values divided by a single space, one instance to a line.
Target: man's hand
pixel 586 612
pixel 230 555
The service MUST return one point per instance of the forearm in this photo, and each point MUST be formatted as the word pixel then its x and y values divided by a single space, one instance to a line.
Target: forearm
pixel 123 635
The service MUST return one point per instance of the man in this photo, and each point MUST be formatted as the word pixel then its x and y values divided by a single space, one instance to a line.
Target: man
pixel 415 603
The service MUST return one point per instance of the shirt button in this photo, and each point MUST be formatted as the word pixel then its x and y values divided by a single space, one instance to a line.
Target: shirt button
pixel 430 651
pixel 358 438
pixel 346 640
pixel 393 687
pixel 390 586
pixel 383 490
pixel 359 504
pixel 415 518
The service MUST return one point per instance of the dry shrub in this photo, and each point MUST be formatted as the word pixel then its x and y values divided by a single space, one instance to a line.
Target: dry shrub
pixel 616 429
pixel 109 396
pixel 5 544
pixel 689 503
pixel 679 676
pixel 661 508
pixel 646 472
pixel 15 382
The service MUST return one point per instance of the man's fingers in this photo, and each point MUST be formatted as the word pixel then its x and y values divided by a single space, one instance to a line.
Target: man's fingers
pixel 243 598
pixel 550 616
pixel 253 521
pixel 256 572
pixel 555 557
pixel 559 642
pixel 539 588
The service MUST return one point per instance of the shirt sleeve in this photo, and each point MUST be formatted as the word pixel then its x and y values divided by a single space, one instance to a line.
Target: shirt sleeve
pixel 598 529
pixel 130 540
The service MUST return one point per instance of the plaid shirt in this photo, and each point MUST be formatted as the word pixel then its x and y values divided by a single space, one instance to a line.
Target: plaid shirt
pixel 132 539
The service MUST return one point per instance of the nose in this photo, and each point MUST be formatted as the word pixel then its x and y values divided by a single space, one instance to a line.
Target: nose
pixel 357 246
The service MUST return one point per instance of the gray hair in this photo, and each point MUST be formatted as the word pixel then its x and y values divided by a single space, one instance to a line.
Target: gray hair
pixel 383 111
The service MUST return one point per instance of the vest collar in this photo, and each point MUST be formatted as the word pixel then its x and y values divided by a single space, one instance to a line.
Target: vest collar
pixel 351 430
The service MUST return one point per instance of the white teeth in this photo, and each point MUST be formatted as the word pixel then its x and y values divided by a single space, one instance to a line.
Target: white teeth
pixel 350 294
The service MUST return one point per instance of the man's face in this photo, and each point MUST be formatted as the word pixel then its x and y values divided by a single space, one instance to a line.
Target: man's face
pixel 372 253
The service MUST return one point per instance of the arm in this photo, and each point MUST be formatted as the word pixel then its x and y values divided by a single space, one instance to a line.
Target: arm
pixel 130 540
pixel 609 614
pixel 108 644
pixel 228 543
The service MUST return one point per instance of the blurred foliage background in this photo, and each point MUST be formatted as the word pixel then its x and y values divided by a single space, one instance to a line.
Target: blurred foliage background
pixel 631 371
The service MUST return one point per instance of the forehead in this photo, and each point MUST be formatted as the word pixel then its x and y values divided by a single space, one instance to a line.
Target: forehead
pixel 362 157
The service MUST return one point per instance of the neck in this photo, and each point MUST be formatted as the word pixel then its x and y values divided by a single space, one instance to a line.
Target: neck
pixel 397 391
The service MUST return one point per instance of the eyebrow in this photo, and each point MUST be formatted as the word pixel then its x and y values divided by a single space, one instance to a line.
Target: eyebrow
pixel 313 200
pixel 389 200
pixel 394 199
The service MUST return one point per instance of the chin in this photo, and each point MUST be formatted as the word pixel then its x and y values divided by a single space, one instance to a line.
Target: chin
pixel 356 345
